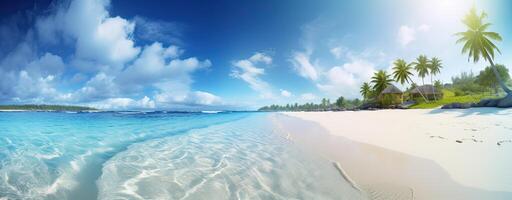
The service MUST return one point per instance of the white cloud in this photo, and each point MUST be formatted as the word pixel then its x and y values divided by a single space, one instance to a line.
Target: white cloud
pixel 407 34
pixel 338 52
pixel 247 71
pixel 308 97
pixel 123 103
pixel 285 93
pixel 261 57
pixel 47 65
pixel 203 98
pixel 110 67
pixel 99 87
pixel 153 64
pixel 424 28
pixel 344 80
pixel 302 64
pixel 188 98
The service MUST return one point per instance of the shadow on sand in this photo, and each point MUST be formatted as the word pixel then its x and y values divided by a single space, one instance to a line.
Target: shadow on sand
pixel 474 111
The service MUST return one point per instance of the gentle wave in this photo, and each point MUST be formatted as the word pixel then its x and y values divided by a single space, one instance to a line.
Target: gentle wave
pixel 50 155
pixel 238 160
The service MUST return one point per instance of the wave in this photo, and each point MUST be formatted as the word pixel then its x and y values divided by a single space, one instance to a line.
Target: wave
pixel 211 111
pixel 236 160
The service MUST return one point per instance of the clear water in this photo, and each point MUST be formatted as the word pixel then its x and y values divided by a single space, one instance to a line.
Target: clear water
pixel 49 155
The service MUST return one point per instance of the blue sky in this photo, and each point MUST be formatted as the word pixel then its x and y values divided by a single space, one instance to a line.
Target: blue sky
pixel 222 54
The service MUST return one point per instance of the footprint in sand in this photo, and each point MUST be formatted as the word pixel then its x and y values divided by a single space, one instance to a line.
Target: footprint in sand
pixel 437 136
pixel 499 143
pixel 470 139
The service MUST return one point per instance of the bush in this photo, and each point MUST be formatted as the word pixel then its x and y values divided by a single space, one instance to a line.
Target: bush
pixel 459 93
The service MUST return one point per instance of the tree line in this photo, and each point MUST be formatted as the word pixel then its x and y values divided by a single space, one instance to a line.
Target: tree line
pixel 324 105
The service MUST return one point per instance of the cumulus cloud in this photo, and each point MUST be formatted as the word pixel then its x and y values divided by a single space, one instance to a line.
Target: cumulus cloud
pixel 345 79
pixel 103 62
pixel 407 34
pixel 98 87
pixel 248 71
pixel 302 64
pixel 123 103
pixel 97 36
pixel 188 98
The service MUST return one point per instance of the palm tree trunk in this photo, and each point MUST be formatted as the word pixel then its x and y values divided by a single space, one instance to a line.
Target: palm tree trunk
pixel 426 100
pixel 498 77
pixel 433 89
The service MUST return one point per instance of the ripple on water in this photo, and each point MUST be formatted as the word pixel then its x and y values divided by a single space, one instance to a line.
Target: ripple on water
pixel 230 161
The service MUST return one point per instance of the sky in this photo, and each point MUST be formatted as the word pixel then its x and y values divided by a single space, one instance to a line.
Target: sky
pixel 224 55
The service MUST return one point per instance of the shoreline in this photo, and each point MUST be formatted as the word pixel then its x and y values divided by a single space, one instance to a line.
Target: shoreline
pixel 424 176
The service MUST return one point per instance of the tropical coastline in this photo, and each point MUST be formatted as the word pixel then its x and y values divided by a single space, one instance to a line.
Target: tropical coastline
pixel 439 154
pixel 255 100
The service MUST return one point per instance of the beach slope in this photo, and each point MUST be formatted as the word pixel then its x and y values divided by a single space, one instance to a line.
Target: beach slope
pixel 437 154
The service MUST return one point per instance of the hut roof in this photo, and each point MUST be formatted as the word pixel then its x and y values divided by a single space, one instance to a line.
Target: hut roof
pixel 425 89
pixel 391 89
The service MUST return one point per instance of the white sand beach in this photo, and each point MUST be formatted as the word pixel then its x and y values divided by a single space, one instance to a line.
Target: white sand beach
pixel 439 154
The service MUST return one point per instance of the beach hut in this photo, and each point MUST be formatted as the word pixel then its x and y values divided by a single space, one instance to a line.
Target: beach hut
pixel 428 91
pixel 391 96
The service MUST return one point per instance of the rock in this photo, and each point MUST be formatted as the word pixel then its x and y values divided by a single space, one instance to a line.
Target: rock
pixel 369 106
pixel 457 106
pixel 505 102
pixel 487 103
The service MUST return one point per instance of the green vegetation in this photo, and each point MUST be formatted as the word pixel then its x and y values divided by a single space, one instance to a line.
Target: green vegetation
pixel 478 42
pixel 366 91
pixel 45 107
pixel 421 66
pixel 402 73
pixel 451 97
pixel 487 79
pixel 381 81
pixel 325 105
pixel 434 66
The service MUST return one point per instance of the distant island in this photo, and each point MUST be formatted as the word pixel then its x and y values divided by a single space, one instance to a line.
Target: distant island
pixel 45 107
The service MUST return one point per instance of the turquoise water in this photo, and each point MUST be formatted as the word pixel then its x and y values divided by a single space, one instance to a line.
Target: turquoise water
pixel 134 155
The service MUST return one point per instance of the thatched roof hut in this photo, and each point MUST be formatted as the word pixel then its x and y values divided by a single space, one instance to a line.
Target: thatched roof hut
pixel 430 92
pixel 426 90
pixel 391 89
pixel 391 96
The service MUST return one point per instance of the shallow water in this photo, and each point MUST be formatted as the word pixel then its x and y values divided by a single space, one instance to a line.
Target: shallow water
pixel 157 156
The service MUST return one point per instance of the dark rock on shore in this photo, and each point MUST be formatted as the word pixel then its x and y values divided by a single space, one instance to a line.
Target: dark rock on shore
pixel 457 106
pixel 369 106
pixel 505 102
pixel 487 103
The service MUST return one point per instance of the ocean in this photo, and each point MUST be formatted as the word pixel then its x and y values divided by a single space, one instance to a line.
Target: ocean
pixel 158 155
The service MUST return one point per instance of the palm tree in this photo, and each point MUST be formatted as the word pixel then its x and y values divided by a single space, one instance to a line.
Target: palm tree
pixel 478 42
pixel 421 66
pixel 365 91
pixel 380 81
pixel 402 73
pixel 435 66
